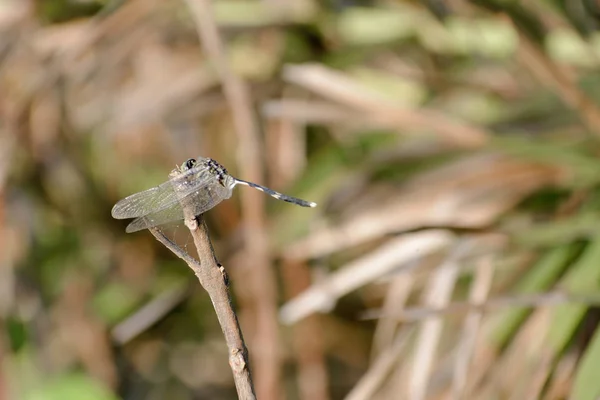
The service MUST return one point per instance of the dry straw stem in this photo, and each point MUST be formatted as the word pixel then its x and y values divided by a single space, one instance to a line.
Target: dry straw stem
pixel 485 184
pixel 437 294
pixel 479 292
pixel 340 88
pixel 213 279
pixel 395 255
pixel 397 295
pixel 550 74
pixel 148 315
pixel 549 299
pixel 519 367
pixel 383 365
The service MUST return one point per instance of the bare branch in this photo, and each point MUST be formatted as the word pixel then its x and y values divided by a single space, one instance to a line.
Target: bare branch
pixel 267 360
pixel 213 279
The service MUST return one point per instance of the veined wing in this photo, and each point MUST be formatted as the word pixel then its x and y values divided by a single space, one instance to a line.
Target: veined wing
pixel 163 196
pixel 205 197
pixel 143 203
pixel 173 213
pixel 199 201
pixel 197 188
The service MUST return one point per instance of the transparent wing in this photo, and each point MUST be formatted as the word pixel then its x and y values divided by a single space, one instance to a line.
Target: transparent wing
pixel 200 201
pixel 146 202
pixel 165 195
pixel 173 213
pixel 205 197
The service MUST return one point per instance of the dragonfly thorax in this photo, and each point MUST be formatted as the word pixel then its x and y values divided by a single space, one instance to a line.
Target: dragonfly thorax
pixel 216 169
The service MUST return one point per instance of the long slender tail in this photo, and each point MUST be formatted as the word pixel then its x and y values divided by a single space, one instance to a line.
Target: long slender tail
pixel 277 195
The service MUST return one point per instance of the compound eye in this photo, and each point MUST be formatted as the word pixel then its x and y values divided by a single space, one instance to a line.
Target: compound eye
pixel 189 164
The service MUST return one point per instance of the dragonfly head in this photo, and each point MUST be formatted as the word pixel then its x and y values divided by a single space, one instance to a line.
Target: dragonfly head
pixel 189 164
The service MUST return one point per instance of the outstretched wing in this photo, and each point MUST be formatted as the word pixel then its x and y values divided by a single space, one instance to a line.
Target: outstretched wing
pixel 146 202
pixel 173 213
pixel 199 202
pixel 196 190
pixel 165 195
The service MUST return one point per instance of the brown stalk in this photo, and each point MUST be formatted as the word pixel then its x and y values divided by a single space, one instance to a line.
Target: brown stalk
pixel 267 361
pixel 307 338
pixel 213 278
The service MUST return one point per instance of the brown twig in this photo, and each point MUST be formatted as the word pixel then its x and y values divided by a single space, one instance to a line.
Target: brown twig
pixel 266 358
pixel 213 279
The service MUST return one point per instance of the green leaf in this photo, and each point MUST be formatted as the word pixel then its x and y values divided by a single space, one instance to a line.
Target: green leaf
pixel 540 277
pixel 114 301
pixel 584 168
pixel 577 227
pixel 75 386
pixel 587 385
pixel 362 26
pixel 582 278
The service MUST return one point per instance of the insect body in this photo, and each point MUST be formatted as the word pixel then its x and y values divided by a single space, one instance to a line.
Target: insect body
pixel 199 184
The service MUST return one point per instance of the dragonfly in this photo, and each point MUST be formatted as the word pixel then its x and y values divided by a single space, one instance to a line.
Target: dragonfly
pixel 198 185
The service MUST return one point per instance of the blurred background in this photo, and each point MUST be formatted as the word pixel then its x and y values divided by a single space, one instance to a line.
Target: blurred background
pixel 452 148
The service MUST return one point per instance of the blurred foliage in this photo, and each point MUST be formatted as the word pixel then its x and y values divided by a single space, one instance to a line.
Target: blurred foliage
pixel 452 148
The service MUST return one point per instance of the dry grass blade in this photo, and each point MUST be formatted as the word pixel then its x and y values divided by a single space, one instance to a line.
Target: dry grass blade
pixel 148 315
pixel 560 381
pixel 416 314
pixel 335 86
pixel 471 327
pixel 313 111
pixel 369 384
pixel 469 193
pixel 307 338
pixel 418 126
pixel 397 294
pixel 525 356
pixel 437 294
pixel 552 75
pixel 396 254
